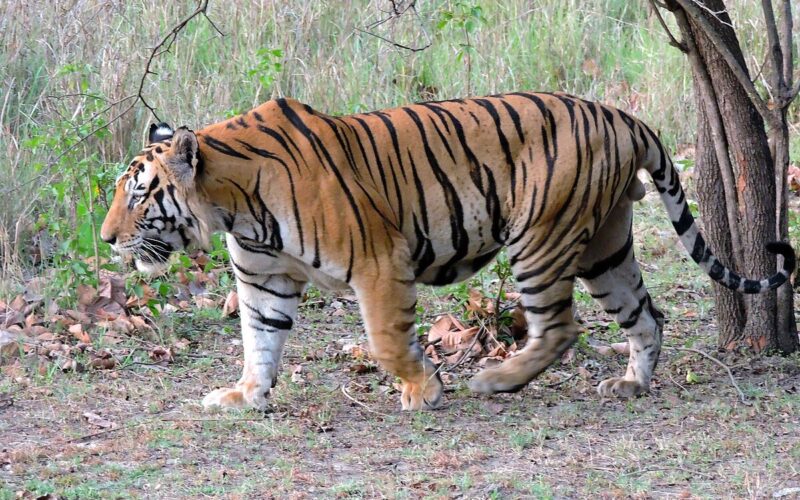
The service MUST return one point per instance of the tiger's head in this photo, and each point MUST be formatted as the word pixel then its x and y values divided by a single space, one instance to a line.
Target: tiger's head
pixel 156 209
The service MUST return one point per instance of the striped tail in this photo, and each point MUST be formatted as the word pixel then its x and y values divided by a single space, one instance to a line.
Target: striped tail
pixel 669 186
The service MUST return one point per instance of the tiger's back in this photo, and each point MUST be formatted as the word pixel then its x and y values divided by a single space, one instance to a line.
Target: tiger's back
pixel 458 179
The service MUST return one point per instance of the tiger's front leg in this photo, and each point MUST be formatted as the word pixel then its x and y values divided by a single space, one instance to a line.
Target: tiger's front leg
pixel 387 296
pixel 268 305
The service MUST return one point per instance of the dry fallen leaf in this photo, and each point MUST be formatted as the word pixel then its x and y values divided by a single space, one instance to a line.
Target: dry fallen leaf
pixel 793 177
pixel 361 368
pixel 460 339
pixel 77 331
pixel 231 306
pixel 204 302
pixel 584 373
pixel 18 304
pixel 475 304
pixel 98 421
pixel 9 346
pixel 103 360
pixel 297 375
pixel 622 348
pixel 161 354
pixel 432 354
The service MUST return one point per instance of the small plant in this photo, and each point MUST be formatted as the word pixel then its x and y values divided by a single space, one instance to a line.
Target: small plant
pixel 268 66
pixel 466 18
pixel 76 193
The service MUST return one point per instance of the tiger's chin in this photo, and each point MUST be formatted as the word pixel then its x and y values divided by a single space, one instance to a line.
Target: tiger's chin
pixel 151 268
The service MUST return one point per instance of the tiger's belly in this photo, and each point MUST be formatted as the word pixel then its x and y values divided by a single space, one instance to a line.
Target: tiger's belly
pixel 257 259
pixel 453 272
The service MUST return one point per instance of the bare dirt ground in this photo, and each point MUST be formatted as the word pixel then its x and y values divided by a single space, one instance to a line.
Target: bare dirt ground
pixel 334 429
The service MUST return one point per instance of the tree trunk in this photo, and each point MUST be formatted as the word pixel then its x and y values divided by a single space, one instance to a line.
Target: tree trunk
pixel 755 185
pixel 730 311
pixel 787 341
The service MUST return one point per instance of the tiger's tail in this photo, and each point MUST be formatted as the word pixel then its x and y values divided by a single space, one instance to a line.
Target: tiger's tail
pixel 669 186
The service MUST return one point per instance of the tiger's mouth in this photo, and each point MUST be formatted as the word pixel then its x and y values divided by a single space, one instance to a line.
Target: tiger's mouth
pixel 150 254
pixel 153 251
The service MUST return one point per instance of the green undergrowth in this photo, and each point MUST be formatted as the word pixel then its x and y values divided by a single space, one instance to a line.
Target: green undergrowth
pixel 62 84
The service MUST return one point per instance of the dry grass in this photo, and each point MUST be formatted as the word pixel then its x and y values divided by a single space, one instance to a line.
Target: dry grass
pixel 52 57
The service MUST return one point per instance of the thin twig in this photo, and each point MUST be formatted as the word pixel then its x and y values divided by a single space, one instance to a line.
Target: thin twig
pixel 396 13
pixel 89 437
pixel 562 381
pixel 742 397
pixel 396 44
pixel 677 383
pixel 691 8
pixel 672 40
pixel 363 405
pixel 166 43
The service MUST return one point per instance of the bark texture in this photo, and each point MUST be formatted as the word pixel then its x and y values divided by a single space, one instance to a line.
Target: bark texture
pixel 755 185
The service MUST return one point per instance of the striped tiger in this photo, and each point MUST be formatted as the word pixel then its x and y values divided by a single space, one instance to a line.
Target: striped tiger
pixel 427 193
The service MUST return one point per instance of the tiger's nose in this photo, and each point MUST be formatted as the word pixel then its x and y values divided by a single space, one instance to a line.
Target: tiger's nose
pixel 109 239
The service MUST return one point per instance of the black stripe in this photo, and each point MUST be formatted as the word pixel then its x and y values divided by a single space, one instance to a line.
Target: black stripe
pixel 284 323
pixel 608 263
pixel 317 145
pixel 685 221
pixel 486 104
pixel 223 148
pixel 460 238
pixel 267 154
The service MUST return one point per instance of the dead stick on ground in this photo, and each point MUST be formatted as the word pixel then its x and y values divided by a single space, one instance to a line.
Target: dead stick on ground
pixel 742 397
pixel 562 381
pixel 363 405
pixel 89 437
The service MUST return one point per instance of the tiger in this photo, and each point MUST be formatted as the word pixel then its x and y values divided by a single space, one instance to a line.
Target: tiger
pixel 428 193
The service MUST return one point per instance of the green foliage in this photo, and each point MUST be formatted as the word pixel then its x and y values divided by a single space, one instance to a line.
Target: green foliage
pixel 77 187
pixel 269 64
pixel 465 18
pixel 462 16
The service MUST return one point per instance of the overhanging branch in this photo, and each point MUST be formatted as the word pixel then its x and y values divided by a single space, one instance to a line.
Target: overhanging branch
pixel 741 75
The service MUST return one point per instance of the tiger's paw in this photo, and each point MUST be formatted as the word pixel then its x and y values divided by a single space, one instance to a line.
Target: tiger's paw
pixel 620 387
pixel 238 398
pixel 422 396
pixel 494 380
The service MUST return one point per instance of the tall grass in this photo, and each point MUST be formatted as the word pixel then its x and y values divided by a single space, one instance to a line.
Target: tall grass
pixel 62 64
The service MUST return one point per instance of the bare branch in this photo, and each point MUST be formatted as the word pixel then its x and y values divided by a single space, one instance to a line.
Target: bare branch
pixel 398 45
pixel 787 48
pixel 672 40
pixel 714 14
pixel 398 11
pixel 213 25
pixel 162 46
pixel 167 41
pixel 738 70
pixel 720 138
pixel 776 76
pixel 742 397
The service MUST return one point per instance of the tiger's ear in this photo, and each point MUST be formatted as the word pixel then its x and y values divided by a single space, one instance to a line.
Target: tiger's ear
pixel 183 159
pixel 158 133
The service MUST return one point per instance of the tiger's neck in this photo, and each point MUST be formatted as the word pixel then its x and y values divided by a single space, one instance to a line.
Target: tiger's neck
pixel 233 198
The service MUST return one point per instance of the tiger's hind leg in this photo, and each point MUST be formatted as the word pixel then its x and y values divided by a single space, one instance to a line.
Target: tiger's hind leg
pixel 546 276
pixel 611 274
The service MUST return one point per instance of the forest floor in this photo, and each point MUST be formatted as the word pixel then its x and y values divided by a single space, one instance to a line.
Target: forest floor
pixel 334 428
